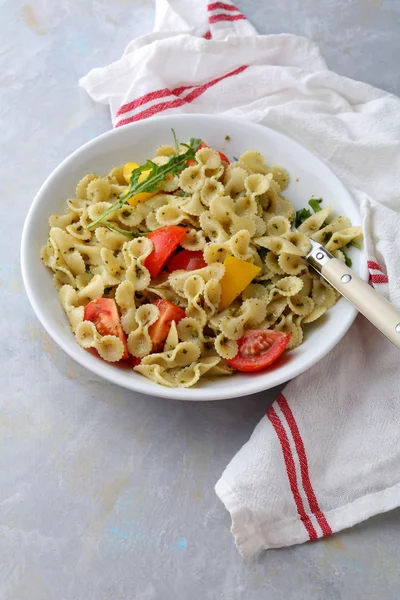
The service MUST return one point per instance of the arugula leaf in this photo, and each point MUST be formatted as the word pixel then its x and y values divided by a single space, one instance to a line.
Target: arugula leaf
pixel 315 204
pixel 157 174
pixel 301 216
pixel 175 141
pixel 355 244
pixel 129 234
pixel 262 253
pixel 347 260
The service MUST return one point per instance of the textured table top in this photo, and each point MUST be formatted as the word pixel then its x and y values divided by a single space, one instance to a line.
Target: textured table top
pixel 106 494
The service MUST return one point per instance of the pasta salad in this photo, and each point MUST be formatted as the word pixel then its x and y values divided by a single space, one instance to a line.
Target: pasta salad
pixel 189 266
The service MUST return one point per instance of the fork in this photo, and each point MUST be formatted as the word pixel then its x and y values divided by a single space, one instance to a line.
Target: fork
pixel 362 296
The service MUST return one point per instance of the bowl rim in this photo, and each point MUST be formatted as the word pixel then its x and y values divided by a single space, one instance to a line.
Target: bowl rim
pixel 253 384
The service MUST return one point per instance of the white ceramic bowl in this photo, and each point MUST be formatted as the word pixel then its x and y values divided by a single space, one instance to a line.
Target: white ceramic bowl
pixel 137 142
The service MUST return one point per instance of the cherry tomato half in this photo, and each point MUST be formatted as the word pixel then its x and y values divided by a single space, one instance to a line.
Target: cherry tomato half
pixel 258 349
pixel 103 313
pixel 192 163
pixel 160 329
pixel 188 260
pixel 165 240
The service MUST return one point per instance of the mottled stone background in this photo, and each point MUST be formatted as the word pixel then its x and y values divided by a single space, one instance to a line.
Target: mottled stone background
pixel 106 494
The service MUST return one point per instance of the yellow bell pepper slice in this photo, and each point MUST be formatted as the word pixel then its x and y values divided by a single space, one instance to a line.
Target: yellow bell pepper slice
pixel 143 196
pixel 238 275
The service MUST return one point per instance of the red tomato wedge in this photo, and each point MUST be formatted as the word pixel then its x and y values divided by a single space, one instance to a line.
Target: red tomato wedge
pixel 192 163
pixel 258 349
pixel 135 361
pixel 103 313
pixel 165 240
pixel 159 330
pixel 189 260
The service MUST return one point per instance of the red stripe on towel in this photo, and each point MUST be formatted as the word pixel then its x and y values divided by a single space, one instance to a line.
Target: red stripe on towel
pixel 222 6
pixel 291 471
pixel 379 278
pixel 218 18
pixel 373 265
pixel 197 91
pixel 305 475
pixel 143 100
pixel 149 112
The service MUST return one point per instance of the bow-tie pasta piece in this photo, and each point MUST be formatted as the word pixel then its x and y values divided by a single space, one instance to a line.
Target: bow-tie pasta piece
pixel 109 347
pixel 323 294
pixel 79 232
pixel 212 189
pixel 344 237
pixel 299 240
pixel 315 222
pixel 172 338
pixel 70 302
pixel 139 340
pixel 112 240
pixel 251 313
pixel 192 179
pixel 315 314
pixel 257 184
pixel 81 188
pixel 210 160
pixel 190 329
pixel 190 204
pixel 98 190
pixel 279 245
pixel 278 225
pixel 62 221
pixel 288 325
pixel 212 228
pixel 287 286
pixel 177 279
pixel 234 181
pixel 182 356
pixel 135 253
pixel 280 175
pixel 117 173
pixel 67 246
pixel 292 264
pixel 125 298
pixel 173 215
pixel 225 347
pixel 301 305
pixel 189 376
pixel 193 240
pixel 322 236
pixel 254 162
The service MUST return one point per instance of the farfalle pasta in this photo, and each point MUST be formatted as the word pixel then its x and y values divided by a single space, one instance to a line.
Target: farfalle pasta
pixel 189 265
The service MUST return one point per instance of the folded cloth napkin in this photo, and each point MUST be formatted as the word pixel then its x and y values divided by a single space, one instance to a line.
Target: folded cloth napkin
pixel 326 455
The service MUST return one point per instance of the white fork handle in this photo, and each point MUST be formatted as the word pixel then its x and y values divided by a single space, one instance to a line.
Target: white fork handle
pixel 368 301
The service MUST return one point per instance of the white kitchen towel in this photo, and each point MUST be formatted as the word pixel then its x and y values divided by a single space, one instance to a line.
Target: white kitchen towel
pixel 326 455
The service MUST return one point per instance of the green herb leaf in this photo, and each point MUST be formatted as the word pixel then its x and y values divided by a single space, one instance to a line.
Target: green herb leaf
pixel 355 244
pixel 157 174
pixel 262 253
pixel 301 216
pixel 347 260
pixel 175 141
pixel 315 204
pixel 129 234
pixel 228 138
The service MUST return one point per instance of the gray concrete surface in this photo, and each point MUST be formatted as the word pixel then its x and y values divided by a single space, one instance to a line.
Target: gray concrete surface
pixel 105 494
